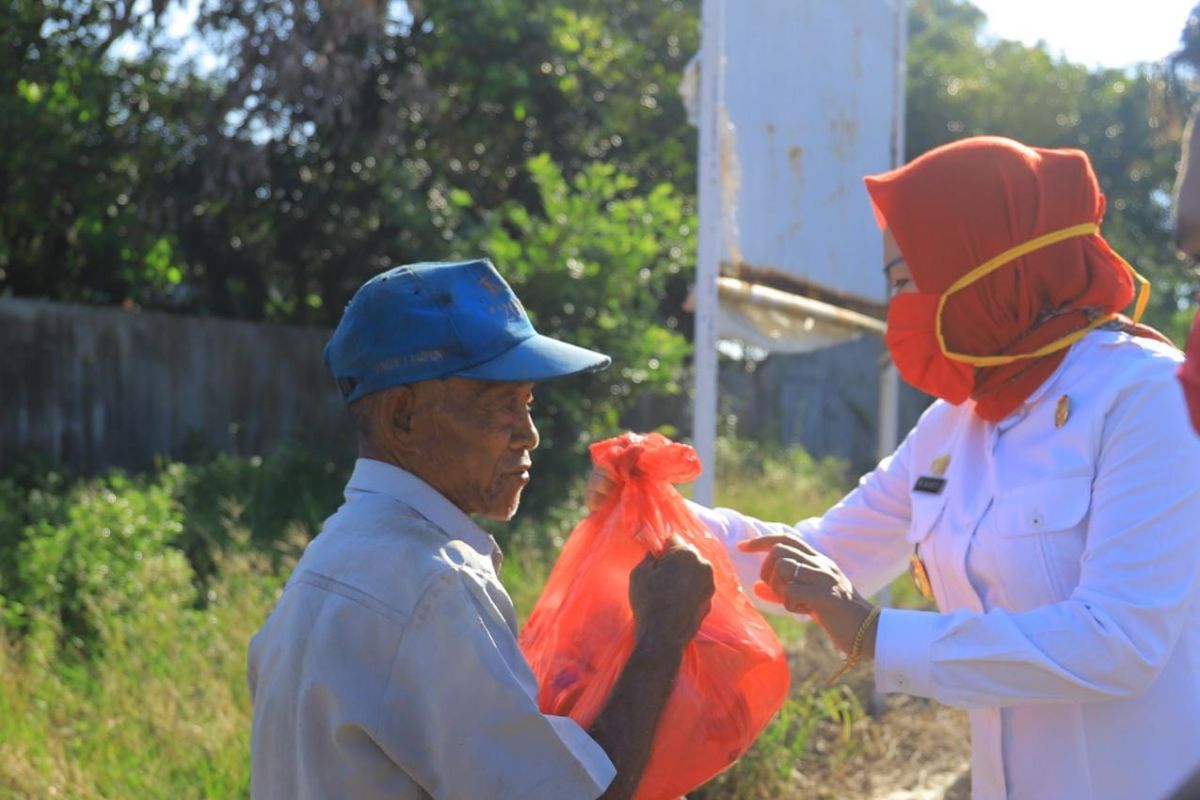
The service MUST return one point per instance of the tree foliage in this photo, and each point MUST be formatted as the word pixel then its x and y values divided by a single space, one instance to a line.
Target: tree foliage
pixel 595 266
pixel 329 142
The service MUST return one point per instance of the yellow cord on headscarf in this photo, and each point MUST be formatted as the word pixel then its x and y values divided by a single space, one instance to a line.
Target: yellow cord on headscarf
pixel 1012 254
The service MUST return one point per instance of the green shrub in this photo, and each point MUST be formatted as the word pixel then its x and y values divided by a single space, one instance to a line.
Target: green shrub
pixel 292 490
pixel 86 554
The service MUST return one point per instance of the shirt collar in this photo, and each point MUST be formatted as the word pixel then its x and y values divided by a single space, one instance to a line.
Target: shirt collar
pixel 1092 340
pixel 378 477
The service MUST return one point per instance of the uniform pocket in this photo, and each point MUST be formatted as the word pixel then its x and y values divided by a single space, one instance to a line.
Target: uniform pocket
pixel 1047 506
pixel 1044 524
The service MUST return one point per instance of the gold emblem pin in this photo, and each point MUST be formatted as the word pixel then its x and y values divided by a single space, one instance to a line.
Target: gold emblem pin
pixel 920 575
pixel 1062 411
pixel 939 466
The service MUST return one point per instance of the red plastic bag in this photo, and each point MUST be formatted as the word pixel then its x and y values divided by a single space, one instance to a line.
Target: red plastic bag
pixel 734 675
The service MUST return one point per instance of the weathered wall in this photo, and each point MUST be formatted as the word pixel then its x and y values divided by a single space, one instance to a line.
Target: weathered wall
pixel 827 401
pixel 95 387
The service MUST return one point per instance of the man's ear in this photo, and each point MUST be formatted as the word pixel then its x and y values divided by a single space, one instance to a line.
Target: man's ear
pixel 396 415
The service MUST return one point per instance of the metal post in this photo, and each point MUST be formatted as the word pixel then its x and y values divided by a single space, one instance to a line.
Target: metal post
pixel 889 378
pixel 708 257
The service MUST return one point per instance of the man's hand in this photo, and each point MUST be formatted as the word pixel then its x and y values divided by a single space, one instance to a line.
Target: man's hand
pixel 808 582
pixel 671 595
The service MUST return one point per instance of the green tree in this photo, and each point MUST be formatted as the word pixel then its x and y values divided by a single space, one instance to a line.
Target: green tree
pixel 348 137
pixel 594 267
pixel 333 139
pixel 77 136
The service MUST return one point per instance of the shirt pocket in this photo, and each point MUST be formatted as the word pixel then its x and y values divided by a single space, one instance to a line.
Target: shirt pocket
pixel 1046 522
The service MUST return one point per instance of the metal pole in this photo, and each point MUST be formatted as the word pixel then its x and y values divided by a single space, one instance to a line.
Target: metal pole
pixel 708 257
pixel 889 378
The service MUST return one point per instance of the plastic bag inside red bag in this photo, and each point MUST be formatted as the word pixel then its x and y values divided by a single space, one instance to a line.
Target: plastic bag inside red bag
pixel 734 675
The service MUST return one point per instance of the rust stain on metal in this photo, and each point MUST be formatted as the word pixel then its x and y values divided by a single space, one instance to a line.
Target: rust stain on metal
pixel 843 135
pixel 796 161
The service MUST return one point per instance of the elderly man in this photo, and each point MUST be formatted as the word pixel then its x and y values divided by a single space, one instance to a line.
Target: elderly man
pixel 390 666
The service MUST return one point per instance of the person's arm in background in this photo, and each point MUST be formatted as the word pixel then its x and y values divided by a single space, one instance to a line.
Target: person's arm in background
pixel 1187 192
pixel 1187 239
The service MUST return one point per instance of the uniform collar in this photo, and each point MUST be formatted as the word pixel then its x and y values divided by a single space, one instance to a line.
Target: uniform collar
pixel 378 477
pixel 1078 350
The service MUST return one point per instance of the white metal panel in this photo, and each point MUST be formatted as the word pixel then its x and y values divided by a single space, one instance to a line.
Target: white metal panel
pixel 810 94
pixel 801 99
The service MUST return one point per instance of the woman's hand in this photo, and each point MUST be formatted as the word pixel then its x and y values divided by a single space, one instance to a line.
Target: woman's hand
pixel 807 582
pixel 599 486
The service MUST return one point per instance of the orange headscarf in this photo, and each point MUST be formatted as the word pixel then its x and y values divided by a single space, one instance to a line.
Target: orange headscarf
pixel 958 206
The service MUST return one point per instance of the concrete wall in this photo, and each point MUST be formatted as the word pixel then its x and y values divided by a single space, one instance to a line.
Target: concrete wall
pixel 93 387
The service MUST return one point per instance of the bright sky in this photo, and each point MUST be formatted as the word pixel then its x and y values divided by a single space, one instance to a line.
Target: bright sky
pixel 1111 33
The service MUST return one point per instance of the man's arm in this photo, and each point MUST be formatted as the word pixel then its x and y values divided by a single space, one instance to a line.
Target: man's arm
pixel 670 598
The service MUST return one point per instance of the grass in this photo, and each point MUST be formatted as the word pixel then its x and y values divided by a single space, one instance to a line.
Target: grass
pixel 123 647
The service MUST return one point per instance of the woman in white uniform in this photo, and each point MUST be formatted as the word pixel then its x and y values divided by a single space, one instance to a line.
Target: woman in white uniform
pixel 1049 500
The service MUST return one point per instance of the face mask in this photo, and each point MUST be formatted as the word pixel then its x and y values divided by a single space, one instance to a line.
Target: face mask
pixel 917 342
pixel 911 339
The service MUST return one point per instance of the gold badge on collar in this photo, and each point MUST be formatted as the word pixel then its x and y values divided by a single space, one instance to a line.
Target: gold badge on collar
pixel 939 466
pixel 1062 411
pixel 933 483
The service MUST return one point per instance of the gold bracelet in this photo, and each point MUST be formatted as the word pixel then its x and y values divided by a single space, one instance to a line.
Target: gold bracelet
pixel 856 650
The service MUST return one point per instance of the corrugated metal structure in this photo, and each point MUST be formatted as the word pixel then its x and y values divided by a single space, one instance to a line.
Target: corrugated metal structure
pixel 93 387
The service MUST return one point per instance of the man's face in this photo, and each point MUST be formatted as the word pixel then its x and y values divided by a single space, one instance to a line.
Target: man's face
pixel 471 441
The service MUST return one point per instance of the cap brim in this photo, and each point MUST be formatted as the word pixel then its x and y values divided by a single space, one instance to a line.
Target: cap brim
pixel 538 358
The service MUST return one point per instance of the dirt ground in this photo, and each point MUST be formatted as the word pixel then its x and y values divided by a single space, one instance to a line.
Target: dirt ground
pixel 909 749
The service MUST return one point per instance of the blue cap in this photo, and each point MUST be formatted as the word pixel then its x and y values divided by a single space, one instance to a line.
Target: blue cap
pixel 440 320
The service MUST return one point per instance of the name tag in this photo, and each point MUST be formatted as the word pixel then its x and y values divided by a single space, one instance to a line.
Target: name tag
pixel 929 485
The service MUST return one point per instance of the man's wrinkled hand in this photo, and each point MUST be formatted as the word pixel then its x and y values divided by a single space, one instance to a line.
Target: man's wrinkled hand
pixel 671 595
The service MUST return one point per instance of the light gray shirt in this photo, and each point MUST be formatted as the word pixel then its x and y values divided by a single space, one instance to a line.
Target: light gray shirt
pixel 390 666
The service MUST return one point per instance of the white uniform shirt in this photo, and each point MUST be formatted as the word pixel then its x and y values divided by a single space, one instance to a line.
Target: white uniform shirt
pixel 390 666
pixel 1065 562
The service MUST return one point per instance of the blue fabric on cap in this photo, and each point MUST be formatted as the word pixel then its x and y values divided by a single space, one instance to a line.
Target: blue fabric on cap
pixel 439 320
